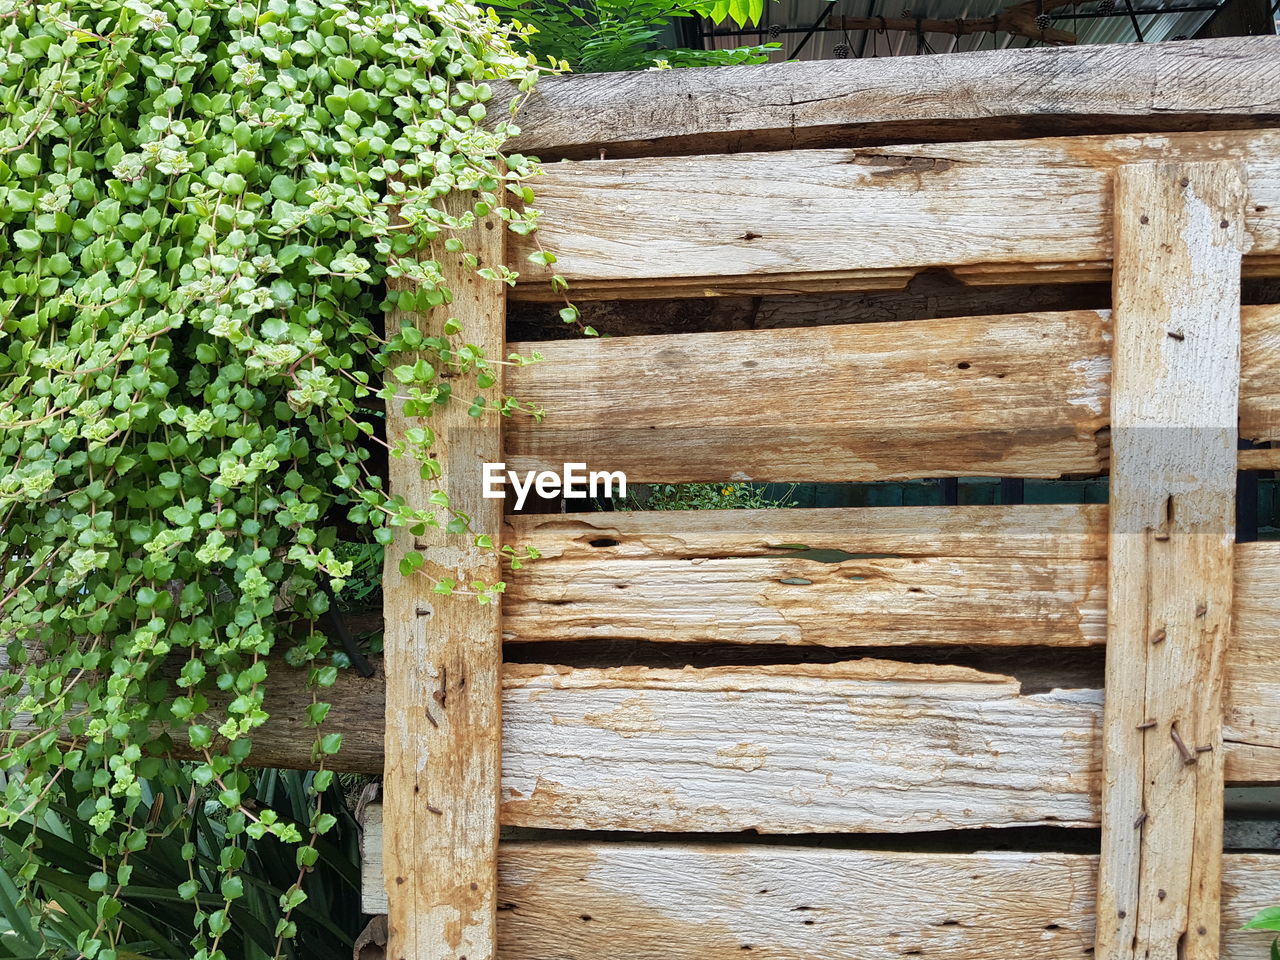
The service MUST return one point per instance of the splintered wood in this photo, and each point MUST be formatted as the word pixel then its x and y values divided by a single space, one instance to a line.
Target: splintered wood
pixel 443 660
pixel 1179 238
pixel 868 746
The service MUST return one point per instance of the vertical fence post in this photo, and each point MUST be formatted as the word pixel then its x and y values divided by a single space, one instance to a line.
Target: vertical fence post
pixel 443 660
pixel 1179 235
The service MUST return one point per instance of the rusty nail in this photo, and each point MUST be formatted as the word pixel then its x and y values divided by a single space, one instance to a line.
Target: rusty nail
pixel 1177 335
pixel 434 810
pixel 1159 636
pixel 1146 724
pixel 1187 755
pixel 1142 818
pixel 430 718
pixel 1201 609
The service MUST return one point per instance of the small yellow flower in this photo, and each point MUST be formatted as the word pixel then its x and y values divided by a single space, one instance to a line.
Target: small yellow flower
pixel 726 491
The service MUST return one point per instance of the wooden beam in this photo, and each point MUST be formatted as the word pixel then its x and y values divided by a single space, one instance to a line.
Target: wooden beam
pixel 868 746
pixel 856 103
pixel 705 901
pixel 1013 396
pixel 1026 531
pixel 1265 458
pixel 443 664
pixel 863 577
pixel 748 223
pixel 1175 396
pixel 990 396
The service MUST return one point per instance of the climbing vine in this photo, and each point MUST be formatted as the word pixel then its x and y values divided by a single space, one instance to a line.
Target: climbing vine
pixel 200 201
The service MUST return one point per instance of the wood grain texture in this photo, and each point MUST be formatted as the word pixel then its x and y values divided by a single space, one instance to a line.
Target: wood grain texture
pixel 861 746
pixel 649 227
pixel 1037 531
pixel 1175 396
pixel 987 95
pixel 443 663
pixel 1019 395
pixel 831 577
pixel 700 901
pixel 1002 396
pixel 1252 715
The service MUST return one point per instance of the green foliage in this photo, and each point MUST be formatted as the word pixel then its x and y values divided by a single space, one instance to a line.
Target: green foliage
pixel 709 496
pixel 600 36
pixel 1267 918
pixel 200 202
pixel 742 12
pixel 179 873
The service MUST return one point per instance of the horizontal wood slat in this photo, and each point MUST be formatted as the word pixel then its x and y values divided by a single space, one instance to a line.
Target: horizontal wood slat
pixel 863 218
pixel 700 901
pixel 1013 396
pixel 889 576
pixel 1203 84
pixel 868 746
pixel 1033 531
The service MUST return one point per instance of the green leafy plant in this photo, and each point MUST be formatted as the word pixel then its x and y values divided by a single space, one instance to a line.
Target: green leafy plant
pixel 1267 919
pixel 200 203
pixel 599 36
pixel 708 496
pixel 156 911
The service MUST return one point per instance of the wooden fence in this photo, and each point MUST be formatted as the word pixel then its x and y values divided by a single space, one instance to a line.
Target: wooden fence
pixel 711 675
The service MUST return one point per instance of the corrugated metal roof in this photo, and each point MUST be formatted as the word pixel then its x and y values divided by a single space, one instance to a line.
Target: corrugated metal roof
pixel 1177 18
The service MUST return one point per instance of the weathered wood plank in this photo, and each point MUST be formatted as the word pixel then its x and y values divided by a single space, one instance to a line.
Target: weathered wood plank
pixel 1174 403
pixel 1252 696
pixel 882 576
pixel 1021 395
pixel 1041 531
pixel 1004 396
pixel 864 602
pixel 988 95
pixel 861 746
pixel 443 662
pixel 701 901
pixel 652 226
